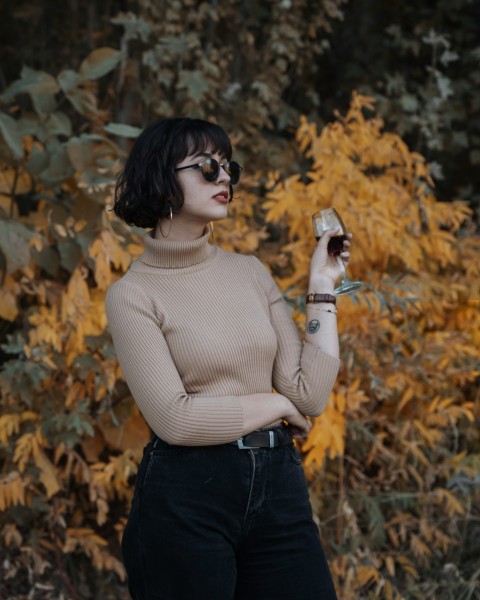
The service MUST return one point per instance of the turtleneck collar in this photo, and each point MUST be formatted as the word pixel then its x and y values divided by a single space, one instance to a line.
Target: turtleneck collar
pixel 169 254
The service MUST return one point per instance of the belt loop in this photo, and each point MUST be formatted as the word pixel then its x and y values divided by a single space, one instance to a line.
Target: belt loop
pixel 272 439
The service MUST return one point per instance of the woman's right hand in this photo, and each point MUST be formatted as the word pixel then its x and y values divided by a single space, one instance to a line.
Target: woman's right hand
pixel 324 267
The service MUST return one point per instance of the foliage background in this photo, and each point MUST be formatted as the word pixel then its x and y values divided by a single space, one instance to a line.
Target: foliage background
pixel 368 107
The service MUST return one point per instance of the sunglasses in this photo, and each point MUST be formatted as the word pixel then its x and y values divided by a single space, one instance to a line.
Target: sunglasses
pixel 210 169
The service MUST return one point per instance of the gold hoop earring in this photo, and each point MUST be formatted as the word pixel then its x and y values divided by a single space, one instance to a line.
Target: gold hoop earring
pixel 170 228
pixel 211 229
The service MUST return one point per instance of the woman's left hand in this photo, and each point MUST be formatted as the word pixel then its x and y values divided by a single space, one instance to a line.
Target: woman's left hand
pixel 296 432
pixel 325 266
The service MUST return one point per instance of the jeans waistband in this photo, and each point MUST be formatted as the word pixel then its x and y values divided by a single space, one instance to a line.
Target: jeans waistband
pixel 261 438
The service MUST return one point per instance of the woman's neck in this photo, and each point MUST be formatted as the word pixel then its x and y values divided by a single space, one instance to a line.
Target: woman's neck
pixel 178 229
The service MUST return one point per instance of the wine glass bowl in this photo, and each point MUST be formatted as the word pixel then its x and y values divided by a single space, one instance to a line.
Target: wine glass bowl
pixel 326 220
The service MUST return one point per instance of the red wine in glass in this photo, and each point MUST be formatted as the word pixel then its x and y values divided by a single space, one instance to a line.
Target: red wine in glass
pixel 335 245
pixel 326 220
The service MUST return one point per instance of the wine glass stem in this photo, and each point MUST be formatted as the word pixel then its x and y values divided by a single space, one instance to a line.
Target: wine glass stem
pixel 342 269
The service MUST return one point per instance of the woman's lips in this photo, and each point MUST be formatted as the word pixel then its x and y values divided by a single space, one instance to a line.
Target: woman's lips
pixel 221 197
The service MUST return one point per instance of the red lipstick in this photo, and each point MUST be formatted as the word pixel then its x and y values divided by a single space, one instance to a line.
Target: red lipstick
pixel 221 197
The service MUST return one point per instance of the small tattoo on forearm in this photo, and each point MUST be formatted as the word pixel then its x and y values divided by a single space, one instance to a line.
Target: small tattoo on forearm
pixel 313 326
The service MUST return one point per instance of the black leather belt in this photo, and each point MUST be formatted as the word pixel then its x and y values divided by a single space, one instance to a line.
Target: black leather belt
pixel 271 438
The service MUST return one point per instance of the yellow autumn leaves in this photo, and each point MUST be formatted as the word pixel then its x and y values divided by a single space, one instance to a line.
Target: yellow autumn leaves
pixel 384 457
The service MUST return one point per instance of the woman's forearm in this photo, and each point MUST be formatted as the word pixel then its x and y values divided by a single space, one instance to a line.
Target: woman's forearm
pixel 321 325
pixel 260 410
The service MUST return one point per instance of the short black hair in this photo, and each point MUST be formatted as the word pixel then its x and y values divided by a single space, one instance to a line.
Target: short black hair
pixel 147 187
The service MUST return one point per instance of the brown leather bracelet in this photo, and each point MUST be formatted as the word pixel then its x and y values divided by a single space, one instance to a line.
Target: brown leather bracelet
pixel 316 298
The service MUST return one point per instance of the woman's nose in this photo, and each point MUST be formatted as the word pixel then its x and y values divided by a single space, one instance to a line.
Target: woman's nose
pixel 223 175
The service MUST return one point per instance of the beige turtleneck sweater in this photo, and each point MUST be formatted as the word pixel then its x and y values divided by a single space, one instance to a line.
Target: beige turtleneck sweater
pixel 195 327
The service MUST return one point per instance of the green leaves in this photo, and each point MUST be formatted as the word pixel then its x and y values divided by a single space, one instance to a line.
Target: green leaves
pixel 97 64
pixel 11 135
pixel 134 26
pixel 100 62
pixel 15 244
pixel 195 84
pixel 68 80
pixel 35 83
pixel 94 158
pixel 122 130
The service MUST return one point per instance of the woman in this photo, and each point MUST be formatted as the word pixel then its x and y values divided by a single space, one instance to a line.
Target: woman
pixel 221 508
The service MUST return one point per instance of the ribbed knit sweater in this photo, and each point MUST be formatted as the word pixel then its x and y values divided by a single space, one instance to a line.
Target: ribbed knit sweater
pixel 195 327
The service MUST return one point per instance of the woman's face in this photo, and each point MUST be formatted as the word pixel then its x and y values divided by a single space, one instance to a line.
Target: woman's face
pixel 204 200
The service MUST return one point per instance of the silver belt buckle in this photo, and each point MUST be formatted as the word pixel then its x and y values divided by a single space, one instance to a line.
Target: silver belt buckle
pixel 242 447
pixel 271 442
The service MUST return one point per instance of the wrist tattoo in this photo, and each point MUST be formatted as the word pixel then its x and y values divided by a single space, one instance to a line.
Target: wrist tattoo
pixel 313 326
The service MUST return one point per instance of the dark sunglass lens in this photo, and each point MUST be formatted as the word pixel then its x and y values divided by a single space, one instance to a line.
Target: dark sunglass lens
pixel 234 170
pixel 210 169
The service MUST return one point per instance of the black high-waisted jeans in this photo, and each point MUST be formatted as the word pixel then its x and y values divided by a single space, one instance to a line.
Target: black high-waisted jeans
pixel 220 523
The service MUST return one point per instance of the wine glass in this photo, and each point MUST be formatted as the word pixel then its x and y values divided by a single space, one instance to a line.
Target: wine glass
pixel 325 220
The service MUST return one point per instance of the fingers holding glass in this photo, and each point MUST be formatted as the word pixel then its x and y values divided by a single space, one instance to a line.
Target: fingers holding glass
pixel 338 244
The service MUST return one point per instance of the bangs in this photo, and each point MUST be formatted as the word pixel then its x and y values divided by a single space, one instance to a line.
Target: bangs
pixel 200 137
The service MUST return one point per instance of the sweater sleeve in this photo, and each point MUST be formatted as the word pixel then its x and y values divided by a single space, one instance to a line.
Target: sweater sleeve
pixel 301 371
pixel 153 379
